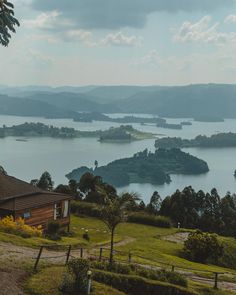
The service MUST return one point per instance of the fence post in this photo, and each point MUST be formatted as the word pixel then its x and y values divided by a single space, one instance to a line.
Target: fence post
pixel 68 254
pixel 38 257
pixel 216 281
pixel 173 268
pixel 100 255
pixel 81 252
pixel 130 257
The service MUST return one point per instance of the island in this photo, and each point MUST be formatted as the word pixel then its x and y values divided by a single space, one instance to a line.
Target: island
pixel 170 126
pixel 122 133
pixel 146 167
pixel 186 123
pixel 219 140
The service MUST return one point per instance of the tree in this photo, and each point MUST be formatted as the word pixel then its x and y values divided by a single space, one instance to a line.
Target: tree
pixel 7 21
pixel 45 182
pixel 201 247
pixel 155 203
pixel 113 212
pixel 96 164
pixel 2 171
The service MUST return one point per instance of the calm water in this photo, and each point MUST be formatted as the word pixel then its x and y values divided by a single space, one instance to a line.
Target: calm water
pixel 27 160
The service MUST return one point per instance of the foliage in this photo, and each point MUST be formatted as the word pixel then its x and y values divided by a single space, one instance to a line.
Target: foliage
pixel 78 268
pixel 132 269
pixel 7 21
pixel 84 208
pixel 202 247
pixel 155 203
pixel 216 140
pixel 52 231
pixel 45 182
pixel 113 212
pixel 18 227
pixel 2 171
pixel 207 212
pixel 146 167
pixel 144 218
pixel 135 285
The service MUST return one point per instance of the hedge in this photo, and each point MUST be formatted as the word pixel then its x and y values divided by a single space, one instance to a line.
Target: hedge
pixel 84 208
pixel 134 285
pixel 148 219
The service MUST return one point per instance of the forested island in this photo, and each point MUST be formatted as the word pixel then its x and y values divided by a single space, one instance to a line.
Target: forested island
pixel 217 140
pixel 122 133
pixel 146 167
pixel 170 126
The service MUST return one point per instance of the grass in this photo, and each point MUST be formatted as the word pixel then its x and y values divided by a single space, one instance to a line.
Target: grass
pixel 206 290
pixel 142 241
pixel 48 280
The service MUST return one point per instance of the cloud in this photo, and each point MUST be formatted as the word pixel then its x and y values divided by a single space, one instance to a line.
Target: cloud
pixel 116 14
pixel 230 19
pixel 119 39
pixel 203 32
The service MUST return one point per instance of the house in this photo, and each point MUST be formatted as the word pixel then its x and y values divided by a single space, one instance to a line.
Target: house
pixel 37 207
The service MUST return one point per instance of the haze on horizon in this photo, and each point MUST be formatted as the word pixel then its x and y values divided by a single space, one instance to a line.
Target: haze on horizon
pixel 125 42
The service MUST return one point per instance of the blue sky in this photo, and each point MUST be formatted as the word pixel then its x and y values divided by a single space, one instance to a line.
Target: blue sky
pixel 114 42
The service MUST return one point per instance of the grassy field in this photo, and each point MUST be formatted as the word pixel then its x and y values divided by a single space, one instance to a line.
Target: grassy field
pixel 143 241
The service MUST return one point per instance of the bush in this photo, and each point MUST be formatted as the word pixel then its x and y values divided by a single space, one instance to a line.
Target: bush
pixel 132 269
pixel 18 227
pixel 147 219
pixel 86 236
pixel 135 285
pixel 87 209
pixel 52 231
pixel 202 247
pixel 78 268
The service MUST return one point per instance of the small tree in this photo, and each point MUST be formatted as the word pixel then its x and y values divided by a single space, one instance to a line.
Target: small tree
pixel 201 247
pixel 45 182
pixel 7 21
pixel 113 212
pixel 155 203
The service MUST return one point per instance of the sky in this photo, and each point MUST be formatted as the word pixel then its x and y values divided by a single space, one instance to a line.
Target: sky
pixel 121 42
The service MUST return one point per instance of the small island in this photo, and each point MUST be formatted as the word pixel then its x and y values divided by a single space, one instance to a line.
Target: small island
pixel 170 126
pixel 219 140
pixel 146 167
pixel 122 133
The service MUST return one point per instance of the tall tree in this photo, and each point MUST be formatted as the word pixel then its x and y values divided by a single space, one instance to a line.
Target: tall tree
pixel 155 203
pixel 7 21
pixel 113 212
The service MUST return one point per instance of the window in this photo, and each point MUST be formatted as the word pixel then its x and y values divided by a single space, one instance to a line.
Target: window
pixel 57 211
pixel 26 215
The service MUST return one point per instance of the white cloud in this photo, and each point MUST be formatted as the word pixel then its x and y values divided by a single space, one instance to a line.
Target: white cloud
pixel 203 31
pixel 48 21
pixel 151 58
pixel 119 39
pixel 230 19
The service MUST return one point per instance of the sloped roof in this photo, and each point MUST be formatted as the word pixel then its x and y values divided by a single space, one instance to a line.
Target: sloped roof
pixel 16 194
pixel 11 187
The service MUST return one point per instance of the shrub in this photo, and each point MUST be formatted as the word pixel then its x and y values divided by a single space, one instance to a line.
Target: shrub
pixel 52 231
pixel 147 219
pixel 201 247
pixel 135 285
pixel 18 227
pixel 87 209
pixel 78 268
pixel 114 267
pixel 86 236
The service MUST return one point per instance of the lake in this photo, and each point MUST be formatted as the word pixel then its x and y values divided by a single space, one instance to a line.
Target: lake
pixel 28 159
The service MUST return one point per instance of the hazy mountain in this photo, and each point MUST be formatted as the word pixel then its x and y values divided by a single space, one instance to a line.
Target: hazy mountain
pixel 109 94
pixel 79 102
pixel 212 100
pixel 27 107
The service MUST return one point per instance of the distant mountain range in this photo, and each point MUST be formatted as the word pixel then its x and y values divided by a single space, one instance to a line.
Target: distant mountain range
pixel 192 101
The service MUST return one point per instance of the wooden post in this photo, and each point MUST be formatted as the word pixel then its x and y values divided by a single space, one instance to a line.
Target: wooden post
pixel 68 254
pixel 216 281
pixel 173 268
pixel 81 252
pixel 100 255
pixel 38 258
pixel 130 257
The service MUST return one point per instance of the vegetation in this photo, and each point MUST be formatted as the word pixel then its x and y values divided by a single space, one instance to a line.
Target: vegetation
pixel 207 212
pixel 202 247
pixel 216 140
pixel 170 126
pixel 7 22
pixel 18 227
pixel 44 182
pixel 144 218
pixel 146 167
pixel 122 133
